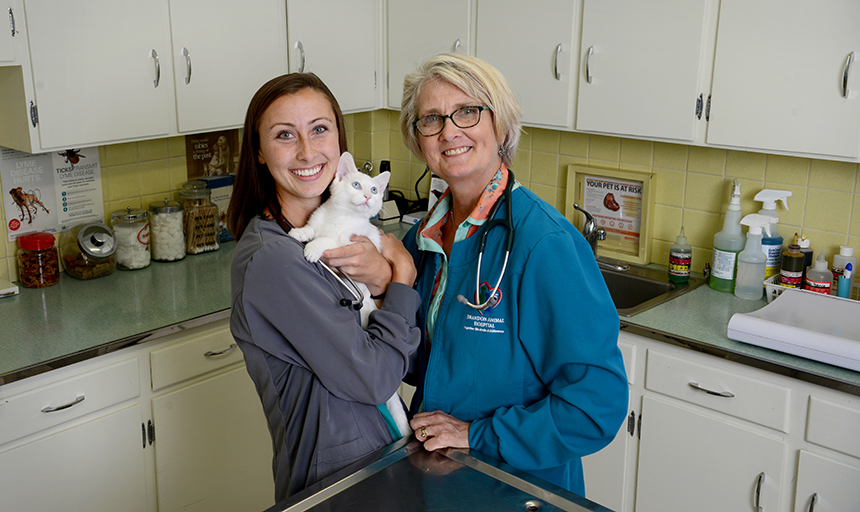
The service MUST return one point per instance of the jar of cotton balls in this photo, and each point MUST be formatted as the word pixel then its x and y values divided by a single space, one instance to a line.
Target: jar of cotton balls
pixel 168 239
pixel 131 227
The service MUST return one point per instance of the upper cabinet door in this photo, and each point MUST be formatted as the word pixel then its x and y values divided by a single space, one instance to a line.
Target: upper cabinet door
pixel 95 70
pixel 418 29
pixel 222 53
pixel 778 77
pixel 531 43
pixel 640 67
pixel 337 40
pixel 8 31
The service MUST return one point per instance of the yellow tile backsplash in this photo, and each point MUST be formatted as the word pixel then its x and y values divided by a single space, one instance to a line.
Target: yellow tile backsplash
pixel 693 183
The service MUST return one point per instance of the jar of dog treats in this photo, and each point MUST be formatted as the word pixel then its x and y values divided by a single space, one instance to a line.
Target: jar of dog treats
pixel 88 251
pixel 38 260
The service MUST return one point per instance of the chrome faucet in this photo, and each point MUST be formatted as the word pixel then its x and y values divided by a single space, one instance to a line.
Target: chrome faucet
pixel 593 234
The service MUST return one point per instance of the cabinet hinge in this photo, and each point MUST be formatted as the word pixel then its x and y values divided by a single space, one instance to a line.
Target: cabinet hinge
pixel 150 432
pixel 631 423
pixel 699 105
pixel 639 428
pixel 708 109
pixel 34 114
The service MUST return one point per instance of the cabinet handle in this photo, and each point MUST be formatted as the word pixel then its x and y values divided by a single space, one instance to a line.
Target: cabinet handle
pixel 302 54
pixel 555 63
pixel 456 45
pixel 187 55
pixel 34 114
pixel 758 492
pixel 221 352
pixel 846 69
pixel 724 394
pixel 12 21
pixel 587 64
pixel 812 502
pixel 154 55
pixel 76 401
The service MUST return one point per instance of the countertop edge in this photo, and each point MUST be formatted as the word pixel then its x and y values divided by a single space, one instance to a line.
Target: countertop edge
pixel 113 346
pixel 827 381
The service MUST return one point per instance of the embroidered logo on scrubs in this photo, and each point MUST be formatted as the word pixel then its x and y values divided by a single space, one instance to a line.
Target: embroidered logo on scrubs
pixel 484 294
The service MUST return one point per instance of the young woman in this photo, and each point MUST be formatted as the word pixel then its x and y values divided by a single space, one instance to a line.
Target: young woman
pixel 320 376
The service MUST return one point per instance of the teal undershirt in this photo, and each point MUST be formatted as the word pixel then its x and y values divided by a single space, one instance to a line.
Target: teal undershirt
pixel 389 422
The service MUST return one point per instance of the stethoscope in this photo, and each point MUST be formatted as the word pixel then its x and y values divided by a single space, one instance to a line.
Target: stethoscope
pixel 492 222
pixel 353 289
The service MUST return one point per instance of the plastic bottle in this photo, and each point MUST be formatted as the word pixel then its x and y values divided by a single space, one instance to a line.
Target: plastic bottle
pixel 792 265
pixel 806 250
pixel 818 279
pixel 845 282
pixel 680 257
pixel 840 262
pixel 727 244
pixel 772 243
pixel 751 261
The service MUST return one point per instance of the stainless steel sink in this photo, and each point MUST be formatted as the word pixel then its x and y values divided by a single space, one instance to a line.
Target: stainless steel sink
pixel 639 288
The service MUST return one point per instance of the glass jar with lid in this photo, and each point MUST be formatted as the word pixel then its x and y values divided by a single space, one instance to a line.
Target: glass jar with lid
pixel 88 251
pixel 38 260
pixel 131 227
pixel 200 218
pixel 167 239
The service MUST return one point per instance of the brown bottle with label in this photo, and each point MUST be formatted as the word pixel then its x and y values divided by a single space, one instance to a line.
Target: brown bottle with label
pixel 791 269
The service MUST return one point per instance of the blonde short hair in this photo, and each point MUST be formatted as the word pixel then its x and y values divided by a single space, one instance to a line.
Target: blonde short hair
pixel 475 78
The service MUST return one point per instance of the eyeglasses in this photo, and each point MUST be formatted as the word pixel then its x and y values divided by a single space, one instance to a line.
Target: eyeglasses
pixel 464 117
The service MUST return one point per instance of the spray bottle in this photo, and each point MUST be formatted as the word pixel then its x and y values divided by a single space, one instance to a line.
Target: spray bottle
pixel 727 244
pixel 772 244
pixel 751 261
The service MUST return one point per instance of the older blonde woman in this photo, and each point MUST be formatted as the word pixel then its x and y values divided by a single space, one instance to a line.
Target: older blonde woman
pixel 528 370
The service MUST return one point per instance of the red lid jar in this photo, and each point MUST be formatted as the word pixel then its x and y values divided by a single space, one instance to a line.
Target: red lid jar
pixel 38 260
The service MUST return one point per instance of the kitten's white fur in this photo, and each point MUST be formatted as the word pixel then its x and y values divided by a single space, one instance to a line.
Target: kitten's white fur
pixel 355 198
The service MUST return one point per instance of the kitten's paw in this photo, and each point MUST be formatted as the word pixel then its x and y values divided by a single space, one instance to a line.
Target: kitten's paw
pixel 315 248
pixel 302 234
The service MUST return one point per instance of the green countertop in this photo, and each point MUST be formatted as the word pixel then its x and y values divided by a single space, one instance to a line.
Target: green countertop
pixel 51 327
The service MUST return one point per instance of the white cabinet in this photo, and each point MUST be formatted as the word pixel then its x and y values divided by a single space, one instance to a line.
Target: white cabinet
pixel 76 443
pixel 824 485
pixel 640 68
pixel 778 77
pixel 222 53
pixel 9 30
pixel 338 41
pixel 213 451
pixel 418 29
pixel 104 71
pixel 95 71
pixel 532 44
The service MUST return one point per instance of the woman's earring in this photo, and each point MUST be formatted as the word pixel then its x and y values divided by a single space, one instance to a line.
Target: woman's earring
pixel 502 151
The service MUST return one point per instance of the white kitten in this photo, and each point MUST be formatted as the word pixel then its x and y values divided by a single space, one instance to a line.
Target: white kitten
pixel 355 198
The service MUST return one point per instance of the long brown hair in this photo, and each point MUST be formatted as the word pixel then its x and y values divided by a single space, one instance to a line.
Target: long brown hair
pixel 254 190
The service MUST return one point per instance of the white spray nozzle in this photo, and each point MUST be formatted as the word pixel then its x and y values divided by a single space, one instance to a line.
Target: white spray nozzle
pixel 769 197
pixel 757 223
pixel 735 204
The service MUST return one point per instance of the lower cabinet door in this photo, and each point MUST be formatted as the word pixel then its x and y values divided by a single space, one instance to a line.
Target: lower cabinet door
pixel 833 485
pixel 689 460
pixel 97 466
pixel 213 451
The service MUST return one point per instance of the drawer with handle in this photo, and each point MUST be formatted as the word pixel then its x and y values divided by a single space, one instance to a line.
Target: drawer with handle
pixel 65 400
pixel 204 350
pixel 719 389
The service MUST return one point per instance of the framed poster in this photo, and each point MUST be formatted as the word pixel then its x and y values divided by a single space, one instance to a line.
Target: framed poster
pixel 621 202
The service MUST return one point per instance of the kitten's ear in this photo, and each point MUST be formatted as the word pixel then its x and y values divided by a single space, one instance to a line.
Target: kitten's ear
pixel 345 165
pixel 381 180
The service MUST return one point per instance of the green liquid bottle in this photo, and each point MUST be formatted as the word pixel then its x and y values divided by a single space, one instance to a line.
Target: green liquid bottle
pixel 728 243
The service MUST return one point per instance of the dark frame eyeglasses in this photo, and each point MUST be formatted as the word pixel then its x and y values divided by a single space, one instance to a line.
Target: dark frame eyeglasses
pixel 463 117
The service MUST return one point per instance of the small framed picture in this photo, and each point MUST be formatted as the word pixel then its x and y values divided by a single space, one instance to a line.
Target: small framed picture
pixel 621 202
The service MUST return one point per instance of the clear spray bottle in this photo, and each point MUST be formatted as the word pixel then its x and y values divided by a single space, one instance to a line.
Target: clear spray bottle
pixel 772 243
pixel 751 261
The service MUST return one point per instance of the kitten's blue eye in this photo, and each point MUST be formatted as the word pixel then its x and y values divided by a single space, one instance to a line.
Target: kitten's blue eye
pixel 373 190
pixel 356 185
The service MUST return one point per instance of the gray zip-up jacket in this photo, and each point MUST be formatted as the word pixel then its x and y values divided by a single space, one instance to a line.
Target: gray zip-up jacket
pixel 319 375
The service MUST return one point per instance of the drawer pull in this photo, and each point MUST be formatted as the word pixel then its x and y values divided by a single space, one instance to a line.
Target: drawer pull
pixel 61 407
pixel 758 492
pixel 221 352
pixel 724 394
